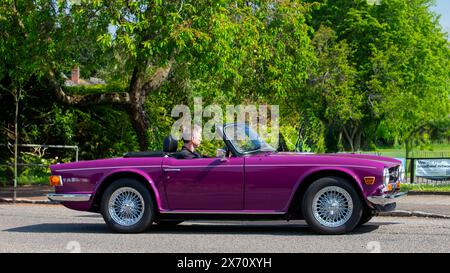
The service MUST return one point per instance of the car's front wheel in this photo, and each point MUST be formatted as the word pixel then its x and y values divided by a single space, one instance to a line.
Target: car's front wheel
pixel 331 205
pixel 367 215
pixel 127 206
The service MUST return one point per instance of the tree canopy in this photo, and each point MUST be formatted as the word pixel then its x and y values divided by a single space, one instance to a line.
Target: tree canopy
pixel 347 75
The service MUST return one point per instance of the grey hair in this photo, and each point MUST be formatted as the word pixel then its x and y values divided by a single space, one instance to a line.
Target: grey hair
pixel 189 132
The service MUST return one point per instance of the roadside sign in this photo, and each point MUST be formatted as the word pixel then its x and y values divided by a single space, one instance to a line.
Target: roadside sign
pixel 433 168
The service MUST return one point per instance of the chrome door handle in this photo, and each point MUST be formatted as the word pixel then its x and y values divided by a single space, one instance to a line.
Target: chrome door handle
pixel 172 170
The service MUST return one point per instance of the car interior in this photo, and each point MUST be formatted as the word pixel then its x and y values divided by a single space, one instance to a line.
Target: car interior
pixel 170 145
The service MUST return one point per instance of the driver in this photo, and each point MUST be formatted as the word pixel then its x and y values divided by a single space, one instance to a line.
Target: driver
pixel 190 143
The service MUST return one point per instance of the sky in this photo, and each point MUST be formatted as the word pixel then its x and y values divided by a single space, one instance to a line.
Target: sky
pixel 443 8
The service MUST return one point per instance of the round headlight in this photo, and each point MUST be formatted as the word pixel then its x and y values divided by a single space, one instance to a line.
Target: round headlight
pixel 386 176
pixel 401 173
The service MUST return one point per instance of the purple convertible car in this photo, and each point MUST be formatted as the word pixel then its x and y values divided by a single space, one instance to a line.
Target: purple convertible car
pixel 247 179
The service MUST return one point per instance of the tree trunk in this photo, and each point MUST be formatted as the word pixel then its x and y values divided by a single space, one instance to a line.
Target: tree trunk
pixel 408 147
pixel 282 146
pixel 16 139
pixel 358 139
pixel 140 124
pixel 136 108
pixel 349 138
pixel 133 100
pixel 339 144
pixel 139 89
pixel 354 137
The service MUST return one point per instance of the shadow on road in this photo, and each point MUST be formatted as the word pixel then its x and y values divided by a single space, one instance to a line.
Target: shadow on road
pixel 192 228
pixel 62 228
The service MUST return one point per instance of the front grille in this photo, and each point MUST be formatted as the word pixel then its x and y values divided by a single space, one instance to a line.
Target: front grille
pixel 394 174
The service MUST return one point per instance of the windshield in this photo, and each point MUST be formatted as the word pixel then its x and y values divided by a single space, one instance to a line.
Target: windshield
pixel 245 140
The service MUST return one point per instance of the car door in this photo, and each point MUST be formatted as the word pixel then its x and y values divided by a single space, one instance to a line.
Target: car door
pixel 269 182
pixel 204 184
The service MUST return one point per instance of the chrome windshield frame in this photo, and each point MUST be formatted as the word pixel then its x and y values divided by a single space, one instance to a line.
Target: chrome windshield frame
pixel 233 146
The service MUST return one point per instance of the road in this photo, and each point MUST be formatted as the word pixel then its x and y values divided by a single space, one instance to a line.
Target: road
pixel 53 228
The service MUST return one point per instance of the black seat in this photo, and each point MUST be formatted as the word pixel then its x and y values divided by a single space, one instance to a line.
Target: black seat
pixel 170 144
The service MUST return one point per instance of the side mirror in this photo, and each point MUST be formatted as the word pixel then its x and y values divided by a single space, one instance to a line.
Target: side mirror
pixel 222 154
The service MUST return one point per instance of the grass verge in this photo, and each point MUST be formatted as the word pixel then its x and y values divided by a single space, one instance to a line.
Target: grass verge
pixel 425 188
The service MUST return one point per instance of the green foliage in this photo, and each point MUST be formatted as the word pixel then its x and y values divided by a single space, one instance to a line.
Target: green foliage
pixel 94 89
pixel 411 71
pixel 398 59
pixel 160 112
pixel 98 130
pixel 42 36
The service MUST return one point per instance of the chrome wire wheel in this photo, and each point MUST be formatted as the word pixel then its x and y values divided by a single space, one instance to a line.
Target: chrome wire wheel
pixel 126 206
pixel 332 206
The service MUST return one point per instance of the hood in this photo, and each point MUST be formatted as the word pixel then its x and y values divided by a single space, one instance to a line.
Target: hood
pixel 388 161
pixel 382 159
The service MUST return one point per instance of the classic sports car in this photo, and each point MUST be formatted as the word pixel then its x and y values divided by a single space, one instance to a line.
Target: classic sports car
pixel 334 193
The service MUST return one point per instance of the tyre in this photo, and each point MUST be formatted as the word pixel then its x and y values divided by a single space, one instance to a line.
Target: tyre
pixel 168 222
pixel 127 206
pixel 331 205
pixel 367 215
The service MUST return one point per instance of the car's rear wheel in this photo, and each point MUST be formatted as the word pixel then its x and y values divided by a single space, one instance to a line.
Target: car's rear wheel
pixel 127 206
pixel 331 205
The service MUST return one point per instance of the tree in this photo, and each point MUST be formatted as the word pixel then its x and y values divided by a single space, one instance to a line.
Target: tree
pixel 401 59
pixel 411 71
pixel 213 40
pixel 22 53
pixel 332 91
pixel 347 70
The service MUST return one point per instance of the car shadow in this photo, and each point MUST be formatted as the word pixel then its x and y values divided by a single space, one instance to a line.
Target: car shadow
pixel 62 228
pixel 193 228
pixel 256 229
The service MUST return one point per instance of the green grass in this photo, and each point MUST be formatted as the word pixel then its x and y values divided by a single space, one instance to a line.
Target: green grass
pixel 425 188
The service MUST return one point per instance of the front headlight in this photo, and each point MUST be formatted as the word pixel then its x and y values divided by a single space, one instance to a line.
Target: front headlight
pixel 401 174
pixel 386 176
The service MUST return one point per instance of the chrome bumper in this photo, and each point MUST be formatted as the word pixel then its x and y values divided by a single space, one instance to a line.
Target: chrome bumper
pixel 69 197
pixel 386 199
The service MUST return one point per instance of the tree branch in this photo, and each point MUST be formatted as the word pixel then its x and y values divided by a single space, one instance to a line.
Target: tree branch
pixel 112 98
pixel 158 78
pixel 5 89
pixel 19 20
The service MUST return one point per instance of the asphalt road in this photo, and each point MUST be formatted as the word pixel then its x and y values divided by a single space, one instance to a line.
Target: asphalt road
pixel 53 228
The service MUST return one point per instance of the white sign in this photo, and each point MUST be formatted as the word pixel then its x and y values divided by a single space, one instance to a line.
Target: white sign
pixel 433 167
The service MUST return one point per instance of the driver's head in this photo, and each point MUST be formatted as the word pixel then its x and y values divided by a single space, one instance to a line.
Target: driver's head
pixel 194 136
